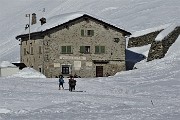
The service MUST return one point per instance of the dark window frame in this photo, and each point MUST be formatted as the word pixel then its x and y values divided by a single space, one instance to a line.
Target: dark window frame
pixel 66 49
pixel 100 49
pixel 65 69
pixel 87 33
pixel 85 49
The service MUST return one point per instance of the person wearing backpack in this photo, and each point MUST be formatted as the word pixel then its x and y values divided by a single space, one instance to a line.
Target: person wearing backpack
pixel 61 82
pixel 72 83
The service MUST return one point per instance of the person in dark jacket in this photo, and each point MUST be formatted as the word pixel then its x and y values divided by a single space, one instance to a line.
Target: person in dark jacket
pixel 61 82
pixel 72 83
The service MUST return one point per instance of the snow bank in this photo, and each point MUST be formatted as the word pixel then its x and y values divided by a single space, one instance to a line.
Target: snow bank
pixel 147 31
pixel 165 32
pixel 173 51
pixel 29 73
pixel 141 50
pixel 6 64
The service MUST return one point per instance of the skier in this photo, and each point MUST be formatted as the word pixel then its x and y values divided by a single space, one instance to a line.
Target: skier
pixel 72 83
pixel 61 82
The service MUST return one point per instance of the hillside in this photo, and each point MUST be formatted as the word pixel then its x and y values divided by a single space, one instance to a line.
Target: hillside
pixel 132 15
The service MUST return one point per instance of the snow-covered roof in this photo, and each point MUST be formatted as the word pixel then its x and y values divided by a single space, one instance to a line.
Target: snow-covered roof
pixel 53 21
pixel 62 19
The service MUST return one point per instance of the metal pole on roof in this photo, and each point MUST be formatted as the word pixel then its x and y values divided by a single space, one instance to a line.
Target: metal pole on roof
pixel 28 15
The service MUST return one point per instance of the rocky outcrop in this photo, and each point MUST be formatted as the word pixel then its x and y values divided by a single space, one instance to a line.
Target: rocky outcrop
pixel 159 48
pixel 143 40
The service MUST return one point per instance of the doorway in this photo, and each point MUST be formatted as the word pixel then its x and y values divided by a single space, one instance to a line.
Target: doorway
pixel 99 71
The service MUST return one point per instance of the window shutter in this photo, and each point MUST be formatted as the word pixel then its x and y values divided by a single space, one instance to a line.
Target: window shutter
pixel 63 49
pixel 96 49
pixel 24 51
pixel 92 32
pixel 102 49
pixel 82 49
pixel 68 49
pixel 31 50
pixel 82 32
pixel 40 52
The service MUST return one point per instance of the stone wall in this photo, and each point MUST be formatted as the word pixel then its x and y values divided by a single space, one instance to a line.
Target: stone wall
pixel 159 48
pixel 143 40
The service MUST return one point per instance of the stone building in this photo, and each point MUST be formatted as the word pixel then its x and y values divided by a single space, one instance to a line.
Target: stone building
pixel 85 46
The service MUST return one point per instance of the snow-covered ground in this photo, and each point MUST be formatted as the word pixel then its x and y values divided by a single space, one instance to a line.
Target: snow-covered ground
pixel 150 92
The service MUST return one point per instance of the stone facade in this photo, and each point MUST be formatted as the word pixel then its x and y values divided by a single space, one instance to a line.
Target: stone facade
pixel 85 46
pixel 159 48
pixel 143 40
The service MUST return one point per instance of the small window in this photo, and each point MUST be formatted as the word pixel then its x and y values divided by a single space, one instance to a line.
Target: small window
pixel 87 33
pixel 40 70
pixel 85 49
pixel 90 32
pixel 46 57
pixel 31 50
pixel 40 50
pixel 25 51
pixel 116 40
pixel 66 49
pixel 82 32
pixel 99 49
pixel 65 69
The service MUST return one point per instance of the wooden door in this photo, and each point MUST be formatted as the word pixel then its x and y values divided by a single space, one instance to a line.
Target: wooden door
pixel 99 71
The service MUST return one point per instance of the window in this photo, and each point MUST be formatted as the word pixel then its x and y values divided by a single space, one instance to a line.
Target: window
pixel 116 40
pixel 40 50
pixel 31 50
pixel 66 49
pixel 88 33
pixel 46 57
pixel 24 51
pixel 99 49
pixel 65 69
pixel 85 49
pixel 82 32
pixel 40 70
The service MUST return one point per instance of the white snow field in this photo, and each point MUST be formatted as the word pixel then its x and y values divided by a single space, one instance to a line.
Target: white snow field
pixel 151 92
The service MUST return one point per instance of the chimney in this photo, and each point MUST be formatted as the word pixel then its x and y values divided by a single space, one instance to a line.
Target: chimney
pixel 43 20
pixel 33 19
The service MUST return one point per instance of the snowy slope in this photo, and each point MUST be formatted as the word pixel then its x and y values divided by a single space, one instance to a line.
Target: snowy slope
pixel 131 15
pixel 150 92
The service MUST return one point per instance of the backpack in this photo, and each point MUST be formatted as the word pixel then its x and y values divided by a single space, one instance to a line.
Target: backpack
pixel 61 80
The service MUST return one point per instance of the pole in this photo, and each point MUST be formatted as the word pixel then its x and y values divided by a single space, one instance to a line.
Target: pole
pixel 29 27
pixel 28 15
